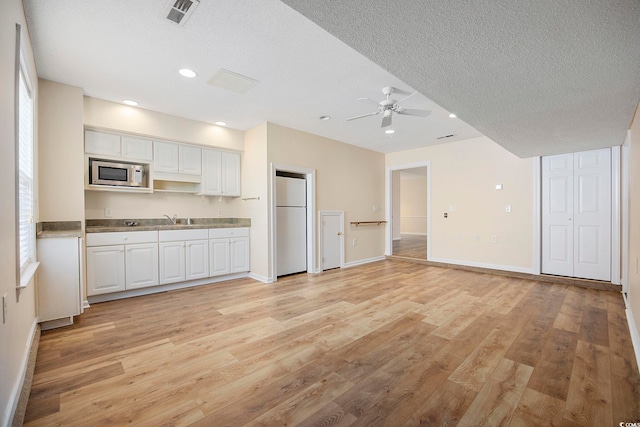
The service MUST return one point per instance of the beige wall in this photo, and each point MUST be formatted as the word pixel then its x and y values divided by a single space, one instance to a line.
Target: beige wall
pixel 60 152
pixel 634 224
pixel 255 184
pixel 348 179
pixel 117 117
pixel 395 204
pixel 15 334
pixel 413 204
pixel 464 174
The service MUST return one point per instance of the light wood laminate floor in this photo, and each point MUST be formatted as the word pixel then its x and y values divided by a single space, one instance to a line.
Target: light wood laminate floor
pixel 411 246
pixel 387 343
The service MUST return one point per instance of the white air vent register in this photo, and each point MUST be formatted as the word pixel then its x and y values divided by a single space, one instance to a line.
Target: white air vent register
pixel 178 11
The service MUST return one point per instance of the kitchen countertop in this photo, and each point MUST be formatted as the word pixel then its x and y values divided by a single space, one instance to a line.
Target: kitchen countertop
pixel 58 229
pixel 154 224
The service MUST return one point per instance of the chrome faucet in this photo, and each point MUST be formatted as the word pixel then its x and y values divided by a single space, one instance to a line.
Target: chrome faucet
pixel 173 219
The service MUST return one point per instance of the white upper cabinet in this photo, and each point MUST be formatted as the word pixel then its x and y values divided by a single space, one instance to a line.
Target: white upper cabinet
pixel 169 157
pixel 165 157
pixel 119 146
pixel 136 148
pixel 106 144
pixel 231 174
pixel 220 173
pixel 190 160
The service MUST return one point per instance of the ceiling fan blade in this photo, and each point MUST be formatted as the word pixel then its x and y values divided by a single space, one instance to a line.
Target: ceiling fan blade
pixel 414 112
pixel 386 121
pixel 364 115
pixel 369 100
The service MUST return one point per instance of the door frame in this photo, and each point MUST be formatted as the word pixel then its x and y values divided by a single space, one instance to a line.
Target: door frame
pixel 388 249
pixel 310 180
pixel 322 214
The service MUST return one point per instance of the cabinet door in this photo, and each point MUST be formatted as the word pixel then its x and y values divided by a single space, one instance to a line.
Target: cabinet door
pixel 197 259
pixel 211 172
pixel 190 160
pixel 239 254
pixel 172 262
pixel 58 278
pixel 231 171
pixel 101 143
pixel 219 261
pixel 165 157
pixel 105 269
pixel 141 265
pixel 137 148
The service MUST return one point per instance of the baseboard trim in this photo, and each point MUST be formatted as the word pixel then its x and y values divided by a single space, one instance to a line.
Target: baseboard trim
pixel 633 331
pixel 363 261
pixel 17 390
pixel 260 278
pixel 503 271
pixel 163 288
pixel 483 265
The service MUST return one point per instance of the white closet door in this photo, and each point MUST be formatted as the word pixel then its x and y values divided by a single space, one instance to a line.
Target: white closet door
pixel 557 215
pixel 592 215
pixel 576 215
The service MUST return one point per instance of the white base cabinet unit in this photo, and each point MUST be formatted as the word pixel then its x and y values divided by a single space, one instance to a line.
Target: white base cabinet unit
pixel 59 278
pixel 183 255
pixel 121 261
pixel 228 250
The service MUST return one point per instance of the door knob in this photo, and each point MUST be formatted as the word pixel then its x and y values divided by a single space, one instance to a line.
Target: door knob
pixel 339 233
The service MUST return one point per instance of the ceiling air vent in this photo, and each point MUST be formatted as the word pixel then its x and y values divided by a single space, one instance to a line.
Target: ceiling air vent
pixel 178 11
pixel 446 136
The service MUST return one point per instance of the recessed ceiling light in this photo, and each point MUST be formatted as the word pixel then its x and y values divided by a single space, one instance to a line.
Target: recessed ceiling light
pixel 185 72
pixel 453 116
pixel 129 102
pixel 325 118
pixel 389 131
pixel 221 123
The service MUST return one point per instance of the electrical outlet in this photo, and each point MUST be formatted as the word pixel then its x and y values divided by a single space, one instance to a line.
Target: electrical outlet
pixel 507 208
pixel 5 308
pixel 220 212
pixel 494 239
pixel 476 237
pixel 355 242
pixel 107 212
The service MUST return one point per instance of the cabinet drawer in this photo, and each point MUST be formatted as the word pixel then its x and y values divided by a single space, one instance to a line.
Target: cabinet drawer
pixel 177 235
pixel 220 233
pixel 121 238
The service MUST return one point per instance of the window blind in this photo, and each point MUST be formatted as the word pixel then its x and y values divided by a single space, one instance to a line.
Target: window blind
pixel 25 172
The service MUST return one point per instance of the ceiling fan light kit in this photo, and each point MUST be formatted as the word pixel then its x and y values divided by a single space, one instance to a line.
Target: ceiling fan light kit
pixel 388 106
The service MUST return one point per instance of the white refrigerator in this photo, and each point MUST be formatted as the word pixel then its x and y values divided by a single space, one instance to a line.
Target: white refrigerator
pixel 291 225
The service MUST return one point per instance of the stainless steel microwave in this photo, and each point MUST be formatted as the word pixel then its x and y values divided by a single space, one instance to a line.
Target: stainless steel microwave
pixel 105 172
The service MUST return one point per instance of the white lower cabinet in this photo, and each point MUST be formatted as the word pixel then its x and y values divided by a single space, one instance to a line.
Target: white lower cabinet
pixel 122 261
pixel 141 265
pixel 228 250
pixel 59 278
pixel 172 262
pixel 105 269
pixel 197 259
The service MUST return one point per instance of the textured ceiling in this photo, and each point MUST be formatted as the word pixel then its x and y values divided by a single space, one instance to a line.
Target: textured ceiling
pixel 538 77
pixel 120 49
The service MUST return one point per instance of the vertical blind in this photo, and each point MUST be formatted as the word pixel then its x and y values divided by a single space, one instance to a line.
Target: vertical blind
pixel 25 172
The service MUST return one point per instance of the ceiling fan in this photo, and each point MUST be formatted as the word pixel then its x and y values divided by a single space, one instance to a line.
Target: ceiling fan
pixel 389 106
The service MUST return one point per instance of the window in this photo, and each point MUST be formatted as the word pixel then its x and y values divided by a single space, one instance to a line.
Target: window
pixel 25 178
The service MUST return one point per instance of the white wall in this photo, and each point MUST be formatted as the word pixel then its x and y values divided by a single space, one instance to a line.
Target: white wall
pixel 107 115
pixel 15 334
pixel 396 211
pixel 464 174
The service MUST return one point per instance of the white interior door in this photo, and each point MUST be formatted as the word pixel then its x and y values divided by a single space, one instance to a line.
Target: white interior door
pixel 332 235
pixel 576 215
